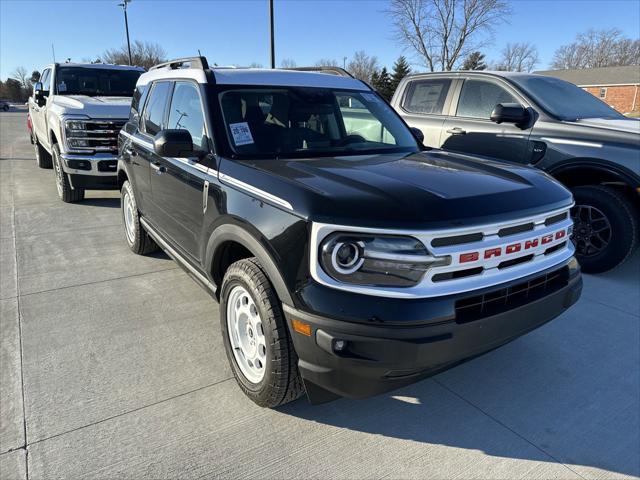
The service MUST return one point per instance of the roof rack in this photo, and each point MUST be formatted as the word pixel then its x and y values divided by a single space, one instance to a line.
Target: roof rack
pixel 341 72
pixel 193 62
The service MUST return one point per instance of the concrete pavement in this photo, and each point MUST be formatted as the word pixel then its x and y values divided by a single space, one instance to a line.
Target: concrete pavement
pixel 112 366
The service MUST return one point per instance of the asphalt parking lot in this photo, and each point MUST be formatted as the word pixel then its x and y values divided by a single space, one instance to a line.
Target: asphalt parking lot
pixel 112 366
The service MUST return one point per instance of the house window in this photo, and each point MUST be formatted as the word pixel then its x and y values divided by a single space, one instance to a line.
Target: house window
pixel 603 93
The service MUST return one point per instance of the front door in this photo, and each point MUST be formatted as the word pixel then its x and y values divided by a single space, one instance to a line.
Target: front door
pixel 178 184
pixel 470 130
pixel 38 113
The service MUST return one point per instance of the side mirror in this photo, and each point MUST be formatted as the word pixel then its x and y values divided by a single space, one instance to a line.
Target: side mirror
pixel 38 93
pixel 173 143
pixel 417 133
pixel 511 113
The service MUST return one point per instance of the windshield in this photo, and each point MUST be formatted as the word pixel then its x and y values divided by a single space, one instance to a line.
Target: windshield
pixel 96 81
pixel 564 100
pixel 300 122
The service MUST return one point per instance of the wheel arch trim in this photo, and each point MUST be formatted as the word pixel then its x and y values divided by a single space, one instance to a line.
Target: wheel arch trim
pixel 596 164
pixel 235 233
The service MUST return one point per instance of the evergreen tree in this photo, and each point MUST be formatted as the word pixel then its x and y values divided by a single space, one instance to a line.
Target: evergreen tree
pixel 474 61
pixel 381 81
pixel 400 70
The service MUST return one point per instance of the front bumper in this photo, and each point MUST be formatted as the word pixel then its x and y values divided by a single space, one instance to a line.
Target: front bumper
pixel 91 172
pixel 379 358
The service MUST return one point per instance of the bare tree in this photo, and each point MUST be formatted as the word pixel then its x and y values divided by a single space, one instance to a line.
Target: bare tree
pixel 363 66
pixel 143 54
pixel 518 57
pixel 597 48
pixel 327 62
pixel 255 65
pixel 20 74
pixel 288 63
pixel 441 32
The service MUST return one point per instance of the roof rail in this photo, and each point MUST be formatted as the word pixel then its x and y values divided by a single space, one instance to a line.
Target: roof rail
pixel 193 62
pixel 341 72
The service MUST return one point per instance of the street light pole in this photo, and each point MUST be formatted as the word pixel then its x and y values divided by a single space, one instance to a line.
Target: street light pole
pixel 273 47
pixel 126 26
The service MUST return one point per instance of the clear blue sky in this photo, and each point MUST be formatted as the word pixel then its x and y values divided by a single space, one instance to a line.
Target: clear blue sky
pixel 236 32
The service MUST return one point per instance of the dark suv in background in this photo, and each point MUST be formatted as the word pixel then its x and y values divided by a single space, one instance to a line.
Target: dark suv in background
pixel 551 124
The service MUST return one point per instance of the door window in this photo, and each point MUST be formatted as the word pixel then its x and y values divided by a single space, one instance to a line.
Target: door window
pixel 153 115
pixel 426 96
pixel 186 113
pixel 46 80
pixel 478 98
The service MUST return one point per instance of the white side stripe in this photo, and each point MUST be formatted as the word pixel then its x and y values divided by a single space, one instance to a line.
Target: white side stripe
pixel 255 191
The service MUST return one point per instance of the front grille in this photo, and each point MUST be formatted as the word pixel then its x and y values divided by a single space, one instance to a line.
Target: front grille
pixel 505 299
pixel 97 136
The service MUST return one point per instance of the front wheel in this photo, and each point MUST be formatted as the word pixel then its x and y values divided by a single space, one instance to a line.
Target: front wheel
pixel 66 193
pixel 256 337
pixel 605 230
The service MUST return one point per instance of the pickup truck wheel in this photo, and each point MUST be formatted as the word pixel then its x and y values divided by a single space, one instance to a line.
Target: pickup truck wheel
pixel 43 158
pixel 256 337
pixel 605 229
pixel 65 192
pixel 137 237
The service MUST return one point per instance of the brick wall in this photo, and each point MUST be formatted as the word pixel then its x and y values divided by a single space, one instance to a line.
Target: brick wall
pixel 619 97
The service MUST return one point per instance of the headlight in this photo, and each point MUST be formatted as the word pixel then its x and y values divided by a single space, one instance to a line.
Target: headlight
pixel 75 125
pixel 376 260
pixel 77 143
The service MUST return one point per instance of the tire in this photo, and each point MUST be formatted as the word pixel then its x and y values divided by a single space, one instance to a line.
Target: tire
pixel 605 230
pixel 137 237
pixel 5 108
pixel 43 158
pixel 65 192
pixel 281 382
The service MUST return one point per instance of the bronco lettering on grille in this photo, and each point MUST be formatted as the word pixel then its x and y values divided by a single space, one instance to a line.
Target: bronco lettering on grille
pixel 496 252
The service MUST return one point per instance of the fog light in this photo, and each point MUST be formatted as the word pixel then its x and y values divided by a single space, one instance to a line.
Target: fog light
pixel 339 345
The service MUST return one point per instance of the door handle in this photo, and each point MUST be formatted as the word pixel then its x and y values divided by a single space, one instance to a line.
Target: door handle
pixel 456 131
pixel 160 169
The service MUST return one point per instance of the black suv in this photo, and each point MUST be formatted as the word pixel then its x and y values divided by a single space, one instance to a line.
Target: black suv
pixel 551 124
pixel 347 260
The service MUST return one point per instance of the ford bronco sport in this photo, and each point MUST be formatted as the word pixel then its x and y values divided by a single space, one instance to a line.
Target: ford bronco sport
pixel 347 260
pixel 76 112
pixel 548 123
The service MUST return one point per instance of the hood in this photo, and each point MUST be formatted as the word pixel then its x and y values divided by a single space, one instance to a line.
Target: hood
pixel 629 125
pixel 429 189
pixel 94 107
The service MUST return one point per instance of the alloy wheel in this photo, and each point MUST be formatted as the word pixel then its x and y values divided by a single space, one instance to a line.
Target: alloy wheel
pixel 591 230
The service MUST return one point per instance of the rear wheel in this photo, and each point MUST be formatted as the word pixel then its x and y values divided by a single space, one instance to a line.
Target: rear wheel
pixel 256 336
pixel 605 230
pixel 43 158
pixel 137 237
pixel 65 192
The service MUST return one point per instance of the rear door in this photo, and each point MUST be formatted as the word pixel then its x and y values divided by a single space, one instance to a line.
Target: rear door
pixel 424 103
pixel 179 185
pixel 469 128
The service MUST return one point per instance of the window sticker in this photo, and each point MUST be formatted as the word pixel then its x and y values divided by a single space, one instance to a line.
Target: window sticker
pixel 241 133
pixel 370 97
pixel 62 87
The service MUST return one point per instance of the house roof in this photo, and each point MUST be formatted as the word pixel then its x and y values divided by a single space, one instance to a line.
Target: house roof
pixel 597 76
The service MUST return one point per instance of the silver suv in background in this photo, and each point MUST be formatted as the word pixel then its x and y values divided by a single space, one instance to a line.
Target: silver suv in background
pixel 548 123
pixel 77 111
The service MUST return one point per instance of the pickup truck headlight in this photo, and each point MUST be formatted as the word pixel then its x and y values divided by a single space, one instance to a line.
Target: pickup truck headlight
pixel 74 131
pixel 376 260
pixel 75 125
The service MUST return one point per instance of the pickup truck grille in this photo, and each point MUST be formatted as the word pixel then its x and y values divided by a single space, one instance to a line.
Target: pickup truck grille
pixel 96 136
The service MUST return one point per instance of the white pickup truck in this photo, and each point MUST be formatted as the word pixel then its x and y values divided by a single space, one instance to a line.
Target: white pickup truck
pixel 77 111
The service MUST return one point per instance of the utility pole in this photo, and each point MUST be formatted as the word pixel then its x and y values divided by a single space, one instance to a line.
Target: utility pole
pixel 344 62
pixel 273 46
pixel 126 26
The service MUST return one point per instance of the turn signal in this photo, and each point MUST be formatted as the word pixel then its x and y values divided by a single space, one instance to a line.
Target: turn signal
pixel 301 327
